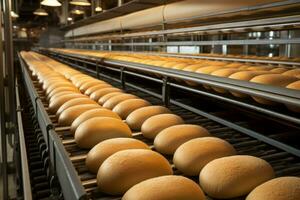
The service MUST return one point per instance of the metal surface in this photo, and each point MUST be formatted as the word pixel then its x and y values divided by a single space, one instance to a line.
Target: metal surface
pixel 4 189
pixel 205 43
pixel 271 23
pixel 27 195
pixel 132 6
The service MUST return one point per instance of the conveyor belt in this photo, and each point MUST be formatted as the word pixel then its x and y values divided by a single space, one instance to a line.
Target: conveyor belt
pixel 284 163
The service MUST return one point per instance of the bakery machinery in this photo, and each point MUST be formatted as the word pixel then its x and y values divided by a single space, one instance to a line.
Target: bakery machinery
pixel 229 70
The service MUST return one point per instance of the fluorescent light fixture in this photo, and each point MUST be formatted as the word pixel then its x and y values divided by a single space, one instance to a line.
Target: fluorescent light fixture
pixel 52 3
pixel 98 9
pixel 40 12
pixel 80 2
pixel 13 14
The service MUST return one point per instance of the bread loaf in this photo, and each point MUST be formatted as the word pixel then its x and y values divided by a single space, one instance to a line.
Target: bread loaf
pixel 282 188
pixel 234 176
pixel 274 80
pixel 126 107
pixel 113 101
pixel 169 139
pixel 90 84
pixel 104 98
pixel 98 112
pixel 68 115
pixel 98 129
pixel 94 88
pixel 127 168
pixel 294 86
pixel 99 93
pixel 139 116
pixel 153 125
pixel 56 103
pixel 103 150
pixel 74 102
pixel 193 155
pixel 165 188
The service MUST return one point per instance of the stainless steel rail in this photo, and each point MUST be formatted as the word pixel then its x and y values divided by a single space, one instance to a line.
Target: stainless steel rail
pixel 26 185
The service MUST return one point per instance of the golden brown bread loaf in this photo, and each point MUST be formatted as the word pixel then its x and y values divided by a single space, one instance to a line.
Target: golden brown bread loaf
pixel 165 188
pixel 103 150
pixel 193 155
pixel 56 103
pixel 127 168
pixel 90 90
pixel 68 115
pixel 153 125
pixel 223 73
pixel 274 80
pixel 98 129
pixel 100 93
pixel 98 112
pixel 58 85
pixel 294 86
pixel 282 188
pixel 234 176
pixel 90 84
pixel 74 102
pixel 104 98
pixel 169 139
pixel 139 116
pixel 126 107
pixel 113 101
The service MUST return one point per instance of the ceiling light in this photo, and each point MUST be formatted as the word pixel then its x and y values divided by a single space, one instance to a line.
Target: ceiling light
pixel 70 19
pixel 40 12
pixel 98 9
pixel 52 3
pixel 77 12
pixel 80 2
pixel 13 14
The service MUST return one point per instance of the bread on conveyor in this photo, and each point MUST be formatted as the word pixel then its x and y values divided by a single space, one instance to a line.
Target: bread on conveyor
pixel 94 88
pixel 293 72
pixel 74 102
pixel 279 70
pixel 169 139
pixel 139 116
pixel 103 150
pixel 124 108
pixel 104 98
pixel 90 84
pixel 55 103
pixel 245 76
pixel 97 112
pixel 273 80
pixel 193 155
pixel 62 89
pixel 165 188
pixel 294 86
pixel 98 129
pixel 127 168
pixel 113 101
pixel 223 73
pixel 234 176
pixel 68 115
pixel 101 92
pixel 153 125
pixel 282 188
pixel 58 85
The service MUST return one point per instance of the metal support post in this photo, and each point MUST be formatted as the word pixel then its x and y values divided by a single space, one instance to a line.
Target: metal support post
pixel 122 77
pixel 166 91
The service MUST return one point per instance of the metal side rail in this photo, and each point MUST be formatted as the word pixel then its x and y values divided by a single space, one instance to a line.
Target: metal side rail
pixel 283 95
pixel 25 178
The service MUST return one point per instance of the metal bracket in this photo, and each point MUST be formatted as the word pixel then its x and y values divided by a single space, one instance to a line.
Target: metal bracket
pixel 166 91
pixel 122 77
